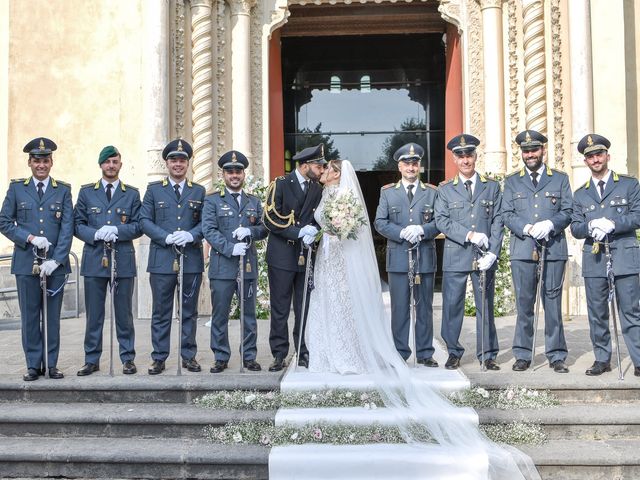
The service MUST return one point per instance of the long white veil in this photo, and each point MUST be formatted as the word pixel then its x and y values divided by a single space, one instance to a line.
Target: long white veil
pixel 425 405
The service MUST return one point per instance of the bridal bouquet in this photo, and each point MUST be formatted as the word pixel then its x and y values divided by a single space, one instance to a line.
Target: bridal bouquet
pixel 343 215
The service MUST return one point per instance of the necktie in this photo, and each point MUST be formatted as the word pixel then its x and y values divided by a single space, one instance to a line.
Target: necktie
pixel 236 197
pixel 109 187
pixel 467 185
pixel 176 187
pixel 40 190
pixel 601 187
pixel 305 186
pixel 534 178
pixel 410 192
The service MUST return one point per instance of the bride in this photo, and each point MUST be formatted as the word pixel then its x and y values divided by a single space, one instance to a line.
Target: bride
pixel 348 332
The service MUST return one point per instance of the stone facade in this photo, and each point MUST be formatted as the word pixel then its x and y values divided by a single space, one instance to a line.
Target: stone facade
pixel 136 73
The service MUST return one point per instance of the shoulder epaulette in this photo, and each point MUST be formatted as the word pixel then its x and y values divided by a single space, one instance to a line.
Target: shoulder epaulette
pixel 428 185
pixel 53 182
pixel 444 182
pixel 87 185
pixel 156 182
pixel 513 173
pixel 558 171
pixel 281 177
pixel 252 195
pixel 124 186
pixel 18 180
pixel 388 185
pixel 625 175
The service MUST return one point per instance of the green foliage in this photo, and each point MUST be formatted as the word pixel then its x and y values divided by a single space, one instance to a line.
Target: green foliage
pixel 314 137
pixel 405 135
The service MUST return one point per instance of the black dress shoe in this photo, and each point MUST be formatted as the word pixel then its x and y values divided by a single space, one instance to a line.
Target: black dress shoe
pixel 55 373
pixel 219 366
pixel 31 375
pixel 129 368
pixel 521 365
pixel 88 369
pixel 491 364
pixel 277 365
pixel 252 365
pixel 559 366
pixel 428 362
pixel 191 365
pixel 598 368
pixel 453 362
pixel 303 360
pixel 636 371
pixel 156 367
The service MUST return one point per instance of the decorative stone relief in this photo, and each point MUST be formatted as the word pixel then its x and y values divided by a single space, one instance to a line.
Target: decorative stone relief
pixel 179 69
pixel 241 7
pixel 514 105
pixel 556 69
pixel 221 35
pixel 490 4
pixel 257 142
pixel 450 12
pixel 474 58
pixel 201 83
pixel 535 92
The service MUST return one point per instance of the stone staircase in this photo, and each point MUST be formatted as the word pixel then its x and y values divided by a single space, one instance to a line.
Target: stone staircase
pixel 594 434
pixel 140 427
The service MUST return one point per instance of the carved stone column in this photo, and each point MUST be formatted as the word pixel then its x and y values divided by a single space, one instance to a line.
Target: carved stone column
pixel 535 97
pixel 495 151
pixel 201 88
pixel 241 74
pixel 156 100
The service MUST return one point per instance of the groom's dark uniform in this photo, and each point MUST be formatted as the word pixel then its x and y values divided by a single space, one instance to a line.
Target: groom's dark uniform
pixel 288 209
pixel 396 211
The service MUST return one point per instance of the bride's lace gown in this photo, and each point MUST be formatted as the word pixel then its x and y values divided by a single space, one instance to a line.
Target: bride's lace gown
pixel 331 331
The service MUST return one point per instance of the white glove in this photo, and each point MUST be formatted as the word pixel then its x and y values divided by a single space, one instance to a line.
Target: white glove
pixel 541 229
pixel 47 267
pixel 241 233
pixel 404 234
pixel 170 240
pixel 111 237
pixel 102 232
pixel 479 239
pixel 598 234
pixel 41 242
pixel 486 261
pixel 309 239
pixel 604 224
pixel 413 233
pixel 181 238
pixel 308 230
pixel 239 249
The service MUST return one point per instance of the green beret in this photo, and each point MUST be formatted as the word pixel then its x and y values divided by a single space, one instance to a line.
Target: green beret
pixel 106 153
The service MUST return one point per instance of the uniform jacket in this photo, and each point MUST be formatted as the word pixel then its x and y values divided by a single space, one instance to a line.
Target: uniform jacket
pixel 456 216
pixel 286 198
pixel 523 204
pixel 221 216
pixel 93 211
pixel 621 204
pixel 162 214
pixel 24 213
pixel 394 213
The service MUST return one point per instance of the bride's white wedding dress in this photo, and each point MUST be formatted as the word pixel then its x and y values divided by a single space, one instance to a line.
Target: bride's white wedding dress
pixel 348 332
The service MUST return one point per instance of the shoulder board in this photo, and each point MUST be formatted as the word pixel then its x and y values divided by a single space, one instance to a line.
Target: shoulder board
pixel 191 184
pixel 517 172
pixel 54 182
pixel 624 175
pixel 427 185
pixel 251 195
pixel 87 185
pixel 18 180
pixel 482 178
pixel 489 179
pixel 124 186
pixel 156 182
pixel 388 185
pixel 281 177
pixel 557 171
pixel 444 182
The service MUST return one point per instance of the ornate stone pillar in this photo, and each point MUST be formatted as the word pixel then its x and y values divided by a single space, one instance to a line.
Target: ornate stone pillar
pixel 581 84
pixel 241 74
pixel 495 151
pixel 535 97
pixel 156 121
pixel 201 88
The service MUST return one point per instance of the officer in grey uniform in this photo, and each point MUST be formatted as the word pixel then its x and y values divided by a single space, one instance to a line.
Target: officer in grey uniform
pixel 405 217
pixel 105 217
pixel 231 222
pixel 607 209
pixel 171 217
pixel 536 207
pixel 468 213
pixel 37 216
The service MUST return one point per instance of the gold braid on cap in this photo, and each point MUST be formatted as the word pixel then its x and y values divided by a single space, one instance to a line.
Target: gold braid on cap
pixel 282 221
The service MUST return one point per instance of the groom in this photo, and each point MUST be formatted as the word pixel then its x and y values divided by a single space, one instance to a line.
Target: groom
pixel 288 215
pixel 405 218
